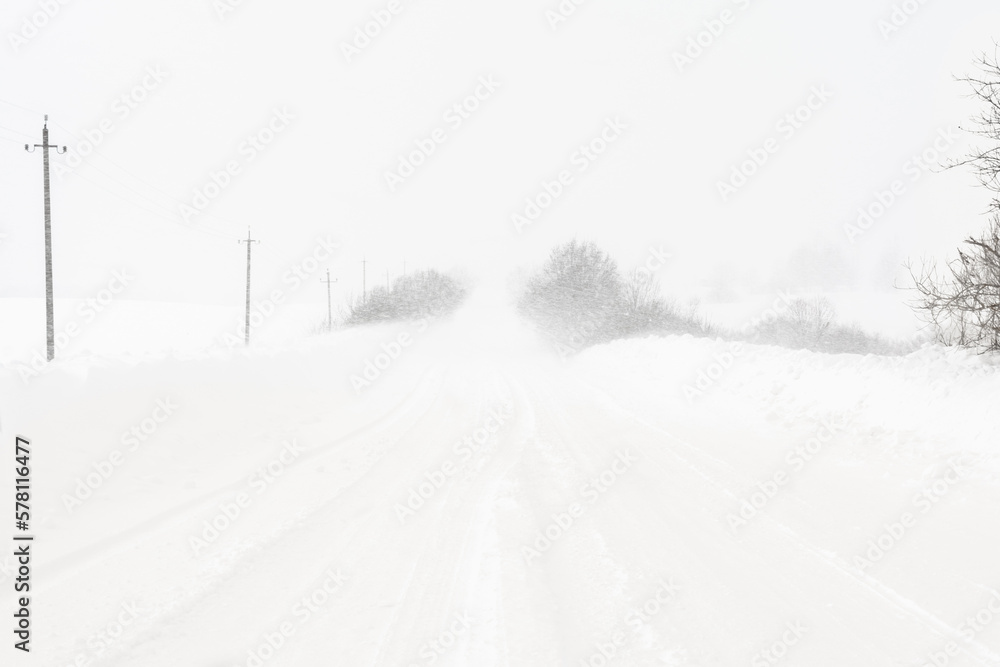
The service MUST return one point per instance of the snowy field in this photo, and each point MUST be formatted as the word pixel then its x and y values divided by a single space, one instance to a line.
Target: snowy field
pixel 137 329
pixel 85 328
pixel 453 493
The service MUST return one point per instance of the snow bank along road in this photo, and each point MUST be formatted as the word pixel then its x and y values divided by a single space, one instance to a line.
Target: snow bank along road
pixel 476 501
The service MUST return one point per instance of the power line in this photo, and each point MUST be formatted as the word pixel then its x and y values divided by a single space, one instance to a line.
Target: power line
pixel 142 196
pixel 96 153
pixel 10 129
pixel 164 212
pixel 169 196
pixel 18 106
pixel 123 169
pixel 208 231
pixel 223 230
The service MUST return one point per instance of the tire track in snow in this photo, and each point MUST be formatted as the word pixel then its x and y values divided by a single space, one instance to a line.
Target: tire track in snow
pixel 366 541
pixel 870 587
pixel 54 570
pixel 224 565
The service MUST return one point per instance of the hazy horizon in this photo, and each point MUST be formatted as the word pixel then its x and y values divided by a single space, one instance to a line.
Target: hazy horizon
pixel 208 81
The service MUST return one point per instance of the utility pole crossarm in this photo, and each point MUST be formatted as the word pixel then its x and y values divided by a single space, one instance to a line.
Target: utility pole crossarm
pixel 49 306
pixel 45 141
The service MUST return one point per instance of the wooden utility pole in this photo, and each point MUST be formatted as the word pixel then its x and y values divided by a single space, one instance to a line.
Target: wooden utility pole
pixel 249 241
pixel 329 303
pixel 50 328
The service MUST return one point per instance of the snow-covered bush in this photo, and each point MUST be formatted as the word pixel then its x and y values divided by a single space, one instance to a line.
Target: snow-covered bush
pixel 579 298
pixel 425 293
pixel 811 324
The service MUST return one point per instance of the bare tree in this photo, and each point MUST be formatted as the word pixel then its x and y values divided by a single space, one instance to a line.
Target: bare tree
pixel 961 301
pixel 639 292
pixel 811 320
pixel 576 296
pixel 985 87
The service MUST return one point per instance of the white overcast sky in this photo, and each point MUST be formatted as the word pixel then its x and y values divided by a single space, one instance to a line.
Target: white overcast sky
pixel 324 174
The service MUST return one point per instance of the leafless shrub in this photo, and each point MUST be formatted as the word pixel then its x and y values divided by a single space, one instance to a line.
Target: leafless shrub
pixel 961 300
pixel 419 294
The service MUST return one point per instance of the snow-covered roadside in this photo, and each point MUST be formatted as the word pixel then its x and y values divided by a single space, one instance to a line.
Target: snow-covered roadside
pixel 128 438
pixel 885 467
pixel 119 327
pixel 939 400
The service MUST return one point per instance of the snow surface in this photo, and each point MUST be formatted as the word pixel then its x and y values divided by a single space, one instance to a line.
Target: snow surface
pixel 635 457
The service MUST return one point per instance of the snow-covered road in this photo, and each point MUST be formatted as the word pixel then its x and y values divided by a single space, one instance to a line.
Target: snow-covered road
pixel 482 503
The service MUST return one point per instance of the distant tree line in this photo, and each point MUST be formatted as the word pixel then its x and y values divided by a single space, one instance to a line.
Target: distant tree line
pixel 811 324
pixel 579 298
